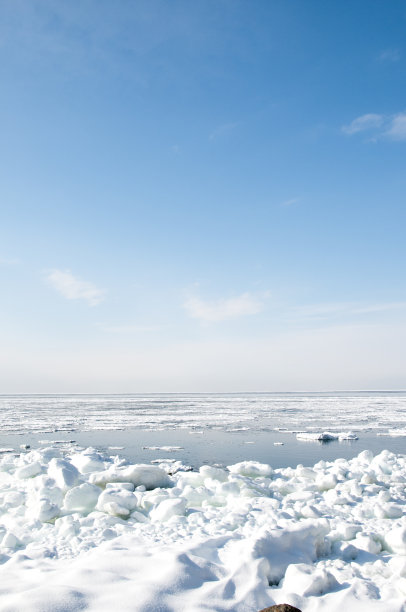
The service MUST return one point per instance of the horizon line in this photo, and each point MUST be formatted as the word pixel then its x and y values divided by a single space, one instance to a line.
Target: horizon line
pixel 209 392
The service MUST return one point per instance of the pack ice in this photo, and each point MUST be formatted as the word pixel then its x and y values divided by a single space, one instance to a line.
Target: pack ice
pixel 80 530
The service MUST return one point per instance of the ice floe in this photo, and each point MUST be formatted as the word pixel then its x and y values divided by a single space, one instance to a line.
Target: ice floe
pixel 167 449
pixel 325 436
pixel 393 432
pixel 82 530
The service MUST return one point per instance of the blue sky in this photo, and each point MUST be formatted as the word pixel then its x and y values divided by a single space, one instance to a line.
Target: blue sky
pixel 202 196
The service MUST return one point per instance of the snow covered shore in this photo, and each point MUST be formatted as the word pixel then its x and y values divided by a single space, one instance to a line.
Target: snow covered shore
pixel 81 530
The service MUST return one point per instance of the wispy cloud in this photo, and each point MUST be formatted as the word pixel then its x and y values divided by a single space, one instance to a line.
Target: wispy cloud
pixel 392 127
pixel 384 307
pixel 389 55
pixel 9 261
pixel 344 309
pixel 224 308
pixel 130 329
pixel 222 130
pixel 365 122
pixel 290 202
pixel 73 288
pixel 397 128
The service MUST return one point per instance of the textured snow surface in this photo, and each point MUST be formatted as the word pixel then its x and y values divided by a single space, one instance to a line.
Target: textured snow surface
pixel 82 531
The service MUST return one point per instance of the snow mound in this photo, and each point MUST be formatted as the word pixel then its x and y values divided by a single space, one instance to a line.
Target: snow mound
pixel 75 525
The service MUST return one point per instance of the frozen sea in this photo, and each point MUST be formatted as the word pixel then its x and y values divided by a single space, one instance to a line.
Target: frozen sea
pixel 211 428
pixel 203 502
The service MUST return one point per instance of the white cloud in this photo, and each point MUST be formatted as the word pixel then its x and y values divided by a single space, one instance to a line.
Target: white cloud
pixel 392 127
pixel 73 288
pixel 365 122
pixel 224 308
pixel 397 127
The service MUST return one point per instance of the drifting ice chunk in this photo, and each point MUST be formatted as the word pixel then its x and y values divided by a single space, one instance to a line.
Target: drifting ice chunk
pixel 282 547
pixel 64 473
pixel 365 456
pixel 82 498
pixel 117 501
pixel 168 449
pixel 29 471
pixel 116 510
pixel 168 508
pixel 324 482
pixel 396 540
pixel 12 499
pixel 88 461
pixel 207 471
pixel 304 580
pixel 45 510
pixel 9 540
pixel 398 566
pixel 390 511
pixel 368 542
pixel 150 476
pixel 347 436
pixel 129 486
pixel 326 436
pixel 251 468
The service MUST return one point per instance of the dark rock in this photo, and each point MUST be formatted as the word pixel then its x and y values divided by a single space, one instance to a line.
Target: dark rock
pixel 281 608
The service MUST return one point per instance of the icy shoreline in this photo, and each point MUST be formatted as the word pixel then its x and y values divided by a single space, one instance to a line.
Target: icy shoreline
pixel 82 530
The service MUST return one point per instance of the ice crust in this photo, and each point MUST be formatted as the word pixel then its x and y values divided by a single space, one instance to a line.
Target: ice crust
pixel 82 530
